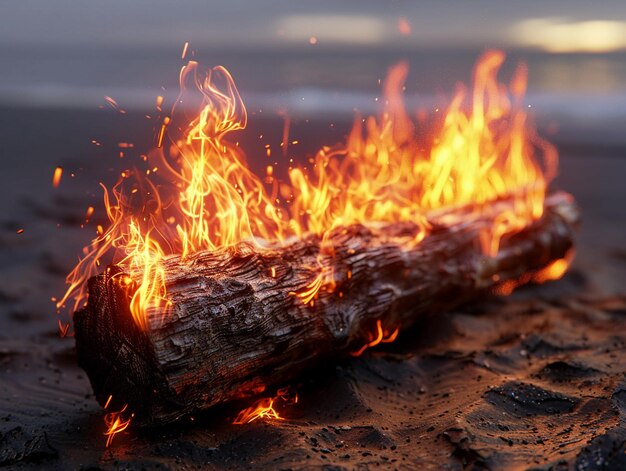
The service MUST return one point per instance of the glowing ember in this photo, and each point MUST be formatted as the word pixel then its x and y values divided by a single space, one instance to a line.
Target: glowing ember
pixel 56 177
pixel 205 197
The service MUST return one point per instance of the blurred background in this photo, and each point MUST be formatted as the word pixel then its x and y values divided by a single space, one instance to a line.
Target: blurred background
pixel 315 63
pixel 315 57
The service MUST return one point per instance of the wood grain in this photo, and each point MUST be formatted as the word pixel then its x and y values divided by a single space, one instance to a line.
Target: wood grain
pixel 237 325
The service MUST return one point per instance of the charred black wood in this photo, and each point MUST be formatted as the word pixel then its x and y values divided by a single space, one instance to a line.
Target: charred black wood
pixel 238 323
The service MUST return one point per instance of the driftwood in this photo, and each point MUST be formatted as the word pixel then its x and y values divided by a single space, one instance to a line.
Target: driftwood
pixel 238 322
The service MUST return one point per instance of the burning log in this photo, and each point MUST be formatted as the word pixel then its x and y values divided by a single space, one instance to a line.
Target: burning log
pixel 242 319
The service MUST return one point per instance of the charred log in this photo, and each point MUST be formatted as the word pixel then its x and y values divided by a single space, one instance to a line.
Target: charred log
pixel 238 322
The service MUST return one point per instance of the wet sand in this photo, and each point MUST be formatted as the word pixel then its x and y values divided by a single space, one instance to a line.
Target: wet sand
pixel 535 380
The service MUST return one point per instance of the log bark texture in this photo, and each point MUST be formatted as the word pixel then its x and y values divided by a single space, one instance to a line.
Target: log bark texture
pixel 238 323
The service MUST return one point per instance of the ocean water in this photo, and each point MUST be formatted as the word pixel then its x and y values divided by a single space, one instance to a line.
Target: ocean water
pixel 581 95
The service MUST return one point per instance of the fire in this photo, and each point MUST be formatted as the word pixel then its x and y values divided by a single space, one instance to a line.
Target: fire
pixel 264 407
pixel 554 271
pixel 63 328
pixel 115 422
pixel 261 409
pixel 380 337
pixel 199 193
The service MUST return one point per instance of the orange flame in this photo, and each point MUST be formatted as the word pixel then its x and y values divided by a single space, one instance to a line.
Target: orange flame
pixel 205 197
pixel 554 271
pixel 115 422
pixel 261 409
pixel 380 337
pixel 63 328
pixel 264 407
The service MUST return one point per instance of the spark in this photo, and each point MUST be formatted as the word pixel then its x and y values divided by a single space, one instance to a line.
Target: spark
pixel 285 142
pixel 113 104
pixel 166 121
pixel 56 177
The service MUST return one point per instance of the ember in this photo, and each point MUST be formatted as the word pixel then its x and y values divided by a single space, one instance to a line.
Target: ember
pixel 56 178
pixel 377 232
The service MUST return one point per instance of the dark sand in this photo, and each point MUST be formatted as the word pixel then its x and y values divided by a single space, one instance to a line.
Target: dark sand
pixel 536 380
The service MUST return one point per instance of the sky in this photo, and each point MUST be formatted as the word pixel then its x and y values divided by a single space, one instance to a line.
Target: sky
pixel 283 23
pixel 314 56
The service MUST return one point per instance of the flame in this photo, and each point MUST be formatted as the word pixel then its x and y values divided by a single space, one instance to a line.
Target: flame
pixel 198 192
pixel 381 336
pixel 553 271
pixel 264 407
pixel 63 328
pixel 261 409
pixel 115 422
